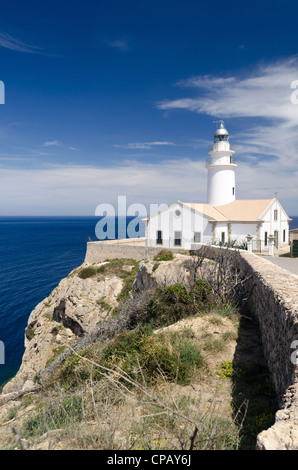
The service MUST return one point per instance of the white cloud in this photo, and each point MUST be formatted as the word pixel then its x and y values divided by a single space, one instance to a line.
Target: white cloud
pixel 9 42
pixel 265 92
pixel 263 103
pixel 51 143
pixel 142 145
pixel 120 44
pixel 75 190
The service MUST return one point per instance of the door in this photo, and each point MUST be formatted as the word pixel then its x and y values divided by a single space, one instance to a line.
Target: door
pixel 295 248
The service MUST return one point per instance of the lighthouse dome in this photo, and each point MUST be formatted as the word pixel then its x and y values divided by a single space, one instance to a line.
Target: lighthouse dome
pixel 221 133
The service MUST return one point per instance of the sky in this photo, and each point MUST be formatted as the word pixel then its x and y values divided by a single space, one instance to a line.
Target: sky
pixel 109 99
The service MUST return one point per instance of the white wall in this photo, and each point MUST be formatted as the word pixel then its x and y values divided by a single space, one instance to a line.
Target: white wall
pixel 270 225
pixel 187 223
pixel 239 231
pixel 221 181
pixel 190 221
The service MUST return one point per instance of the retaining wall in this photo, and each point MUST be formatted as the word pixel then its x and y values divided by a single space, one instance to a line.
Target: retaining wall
pixel 134 248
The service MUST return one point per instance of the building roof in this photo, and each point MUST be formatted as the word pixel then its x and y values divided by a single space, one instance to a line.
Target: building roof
pixel 243 210
pixel 208 210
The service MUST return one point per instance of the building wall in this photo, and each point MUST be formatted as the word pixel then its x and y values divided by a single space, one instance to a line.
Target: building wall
pixel 241 230
pixel 187 223
pixel 221 182
pixel 279 226
pixel 294 234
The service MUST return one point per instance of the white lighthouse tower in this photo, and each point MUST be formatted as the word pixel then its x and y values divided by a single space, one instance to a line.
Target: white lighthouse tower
pixel 221 168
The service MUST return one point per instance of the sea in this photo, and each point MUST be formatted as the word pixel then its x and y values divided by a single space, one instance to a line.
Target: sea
pixel 35 254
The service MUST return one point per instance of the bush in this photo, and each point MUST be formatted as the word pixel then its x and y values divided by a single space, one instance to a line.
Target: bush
pixel 141 352
pixel 164 255
pixel 202 291
pixel 173 303
pixel 87 272
pixel 175 356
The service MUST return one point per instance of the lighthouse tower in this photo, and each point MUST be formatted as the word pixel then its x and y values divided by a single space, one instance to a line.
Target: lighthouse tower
pixel 221 168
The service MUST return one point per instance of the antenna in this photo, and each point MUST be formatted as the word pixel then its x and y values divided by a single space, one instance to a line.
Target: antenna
pixel 220 122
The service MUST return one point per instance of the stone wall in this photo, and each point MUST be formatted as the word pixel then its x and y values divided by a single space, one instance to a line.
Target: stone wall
pixel 272 297
pixel 133 248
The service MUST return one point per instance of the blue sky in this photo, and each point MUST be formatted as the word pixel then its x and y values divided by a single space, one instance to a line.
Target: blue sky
pixel 104 99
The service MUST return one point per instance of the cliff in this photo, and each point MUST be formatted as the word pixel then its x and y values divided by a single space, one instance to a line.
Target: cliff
pixel 70 312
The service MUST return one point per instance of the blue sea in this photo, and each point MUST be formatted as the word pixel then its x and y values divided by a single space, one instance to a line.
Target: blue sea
pixel 35 254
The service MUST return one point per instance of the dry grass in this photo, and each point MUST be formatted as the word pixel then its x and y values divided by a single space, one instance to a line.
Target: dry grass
pixel 119 412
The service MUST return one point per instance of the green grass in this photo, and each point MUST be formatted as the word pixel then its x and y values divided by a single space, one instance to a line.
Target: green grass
pixel 175 354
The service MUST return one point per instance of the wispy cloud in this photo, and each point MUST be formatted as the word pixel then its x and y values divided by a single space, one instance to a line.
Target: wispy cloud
pixel 51 143
pixel 265 92
pixel 142 145
pixel 58 143
pixel 120 44
pixel 9 42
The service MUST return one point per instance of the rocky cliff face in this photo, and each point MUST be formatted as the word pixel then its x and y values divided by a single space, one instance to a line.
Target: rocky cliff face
pixel 70 311
pixel 77 305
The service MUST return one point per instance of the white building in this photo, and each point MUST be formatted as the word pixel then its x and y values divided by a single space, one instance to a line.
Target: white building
pixel 223 219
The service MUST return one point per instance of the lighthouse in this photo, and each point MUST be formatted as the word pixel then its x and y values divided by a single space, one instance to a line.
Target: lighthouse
pixel 221 168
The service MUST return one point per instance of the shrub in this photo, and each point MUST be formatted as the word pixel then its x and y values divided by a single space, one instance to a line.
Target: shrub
pixel 164 255
pixel 87 272
pixel 173 303
pixel 202 291
pixel 174 354
pixel 176 293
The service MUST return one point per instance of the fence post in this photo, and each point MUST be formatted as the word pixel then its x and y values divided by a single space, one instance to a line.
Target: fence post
pixel 271 239
pixel 249 242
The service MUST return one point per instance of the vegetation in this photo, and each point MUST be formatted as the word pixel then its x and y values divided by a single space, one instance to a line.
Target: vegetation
pixel 123 268
pixel 164 255
pixel 141 352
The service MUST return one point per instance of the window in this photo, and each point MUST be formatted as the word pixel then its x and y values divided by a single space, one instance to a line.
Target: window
pixel 283 235
pixel 223 237
pixel 177 238
pixel 197 237
pixel 266 238
pixel 159 237
pixel 275 214
pixel 233 191
pixel 276 238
